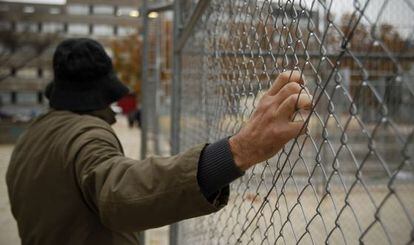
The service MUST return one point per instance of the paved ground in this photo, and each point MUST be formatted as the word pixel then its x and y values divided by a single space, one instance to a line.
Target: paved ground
pixel 130 139
pixel 8 229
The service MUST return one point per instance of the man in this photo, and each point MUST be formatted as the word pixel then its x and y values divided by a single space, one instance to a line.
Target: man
pixel 69 182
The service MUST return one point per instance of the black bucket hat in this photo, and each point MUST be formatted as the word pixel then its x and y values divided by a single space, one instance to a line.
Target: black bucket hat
pixel 84 78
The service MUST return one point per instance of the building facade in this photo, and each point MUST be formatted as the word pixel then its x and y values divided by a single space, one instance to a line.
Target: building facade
pixel 30 32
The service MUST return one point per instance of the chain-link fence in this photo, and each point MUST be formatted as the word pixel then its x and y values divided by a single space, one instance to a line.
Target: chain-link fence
pixel 156 101
pixel 350 179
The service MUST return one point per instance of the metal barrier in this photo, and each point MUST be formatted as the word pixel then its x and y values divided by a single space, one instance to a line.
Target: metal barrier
pixel 156 81
pixel 350 179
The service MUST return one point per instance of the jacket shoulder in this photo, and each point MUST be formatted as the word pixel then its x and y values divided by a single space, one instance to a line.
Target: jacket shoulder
pixel 80 129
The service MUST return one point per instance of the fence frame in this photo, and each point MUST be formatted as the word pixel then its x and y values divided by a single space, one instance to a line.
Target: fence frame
pixel 182 31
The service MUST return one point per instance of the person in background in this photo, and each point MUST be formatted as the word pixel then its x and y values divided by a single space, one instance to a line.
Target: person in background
pixel 70 183
pixel 134 116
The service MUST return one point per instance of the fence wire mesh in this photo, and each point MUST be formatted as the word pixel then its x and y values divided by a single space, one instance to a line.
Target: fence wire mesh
pixel 156 101
pixel 350 178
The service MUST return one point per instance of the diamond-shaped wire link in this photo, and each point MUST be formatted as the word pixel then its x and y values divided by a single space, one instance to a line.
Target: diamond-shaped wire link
pixel 350 178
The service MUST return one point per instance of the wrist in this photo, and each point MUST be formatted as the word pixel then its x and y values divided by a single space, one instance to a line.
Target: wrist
pixel 237 150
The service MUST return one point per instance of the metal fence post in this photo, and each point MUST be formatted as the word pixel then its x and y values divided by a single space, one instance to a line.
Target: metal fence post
pixel 144 95
pixel 176 98
pixel 156 86
pixel 144 104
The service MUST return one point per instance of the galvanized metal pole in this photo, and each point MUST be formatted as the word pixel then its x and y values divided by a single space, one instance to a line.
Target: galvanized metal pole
pixel 176 83
pixel 156 87
pixel 176 99
pixel 180 37
pixel 144 91
pixel 144 82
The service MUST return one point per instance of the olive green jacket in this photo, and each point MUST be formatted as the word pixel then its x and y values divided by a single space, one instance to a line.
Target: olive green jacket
pixel 69 183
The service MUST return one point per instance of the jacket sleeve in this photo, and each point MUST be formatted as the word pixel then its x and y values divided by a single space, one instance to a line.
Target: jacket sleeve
pixel 132 195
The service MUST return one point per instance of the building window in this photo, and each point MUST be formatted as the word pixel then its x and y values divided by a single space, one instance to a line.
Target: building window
pixel 52 27
pixel 78 29
pixel 27 97
pixel 103 9
pixel 5 98
pixel 5 26
pixel 28 9
pixel 77 9
pixel 102 30
pixel 126 31
pixel 4 8
pixel 127 11
pixel 47 73
pixel 26 27
pixel 54 11
pixel 28 73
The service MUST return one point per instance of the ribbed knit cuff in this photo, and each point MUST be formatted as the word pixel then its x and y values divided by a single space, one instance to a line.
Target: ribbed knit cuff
pixel 216 168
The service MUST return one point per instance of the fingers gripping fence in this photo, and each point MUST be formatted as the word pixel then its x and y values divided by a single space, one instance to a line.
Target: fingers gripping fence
pixel 350 178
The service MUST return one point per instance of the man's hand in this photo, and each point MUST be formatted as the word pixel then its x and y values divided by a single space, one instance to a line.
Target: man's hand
pixel 271 125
